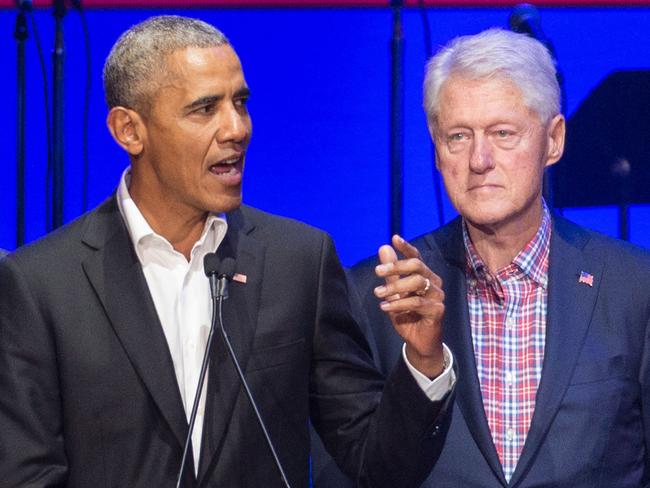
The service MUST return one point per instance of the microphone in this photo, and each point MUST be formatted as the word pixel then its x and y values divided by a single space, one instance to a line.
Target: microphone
pixel 219 274
pixel 525 19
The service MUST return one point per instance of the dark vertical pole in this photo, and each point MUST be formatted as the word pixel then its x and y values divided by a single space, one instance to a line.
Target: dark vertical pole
pixel 57 118
pixel 20 34
pixel 624 222
pixel 397 121
pixel 620 171
pixel 428 51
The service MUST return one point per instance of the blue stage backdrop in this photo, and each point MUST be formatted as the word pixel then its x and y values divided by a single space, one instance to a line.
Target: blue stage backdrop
pixel 320 84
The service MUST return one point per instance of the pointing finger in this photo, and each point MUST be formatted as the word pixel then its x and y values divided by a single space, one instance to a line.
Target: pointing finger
pixel 404 247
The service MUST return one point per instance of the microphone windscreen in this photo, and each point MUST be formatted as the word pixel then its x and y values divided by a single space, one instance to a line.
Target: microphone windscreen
pixel 525 19
pixel 212 263
pixel 227 268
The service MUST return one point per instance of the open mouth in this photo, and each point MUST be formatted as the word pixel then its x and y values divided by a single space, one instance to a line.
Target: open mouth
pixel 229 170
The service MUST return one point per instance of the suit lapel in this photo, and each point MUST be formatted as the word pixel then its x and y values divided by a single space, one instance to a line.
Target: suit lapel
pixel 458 337
pixel 570 307
pixel 240 321
pixel 116 276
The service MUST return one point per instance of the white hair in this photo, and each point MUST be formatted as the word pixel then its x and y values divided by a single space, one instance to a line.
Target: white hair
pixel 496 53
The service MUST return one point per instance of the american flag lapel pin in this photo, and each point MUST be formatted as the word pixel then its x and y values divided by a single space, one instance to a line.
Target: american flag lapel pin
pixel 586 278
pixel 240 278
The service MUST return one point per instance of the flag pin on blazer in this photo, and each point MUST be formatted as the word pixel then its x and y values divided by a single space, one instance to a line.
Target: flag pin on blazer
pixel 586 278
pixel 240 278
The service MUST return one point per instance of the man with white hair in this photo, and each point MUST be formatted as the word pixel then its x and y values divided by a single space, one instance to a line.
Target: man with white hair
pixel 548 322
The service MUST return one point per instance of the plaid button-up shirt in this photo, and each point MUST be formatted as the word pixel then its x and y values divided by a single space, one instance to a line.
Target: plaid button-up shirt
pixel 508 322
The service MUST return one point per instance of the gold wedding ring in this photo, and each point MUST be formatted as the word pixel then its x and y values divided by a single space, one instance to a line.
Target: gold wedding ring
pixel 424 290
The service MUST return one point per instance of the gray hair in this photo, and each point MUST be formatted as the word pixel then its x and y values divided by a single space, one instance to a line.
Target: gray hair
pixel 496 53
pixel 135 66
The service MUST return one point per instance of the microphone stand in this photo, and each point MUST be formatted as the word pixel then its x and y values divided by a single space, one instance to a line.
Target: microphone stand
pixel 396 121
pixel 244 383
pixel 57 117
pixel 20 34
pixel 428 51
pixel 219 292
pixel 199 389
pixel 620 171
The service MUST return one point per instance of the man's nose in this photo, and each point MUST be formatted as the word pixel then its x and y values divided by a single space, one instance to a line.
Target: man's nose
pixel 234 126
pixel 481 159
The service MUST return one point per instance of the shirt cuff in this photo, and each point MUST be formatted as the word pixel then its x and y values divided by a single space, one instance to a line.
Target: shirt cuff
pixel 437 388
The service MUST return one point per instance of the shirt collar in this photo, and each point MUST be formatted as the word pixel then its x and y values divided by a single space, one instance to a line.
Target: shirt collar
pixel 142 234
pixel 532 260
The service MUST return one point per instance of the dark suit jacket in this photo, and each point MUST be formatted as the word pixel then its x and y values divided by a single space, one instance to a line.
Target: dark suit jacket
pixel 591 426
pixel 89 396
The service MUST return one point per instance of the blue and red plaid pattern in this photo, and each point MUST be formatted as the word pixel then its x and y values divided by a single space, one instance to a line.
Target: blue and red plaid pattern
pixel 508 322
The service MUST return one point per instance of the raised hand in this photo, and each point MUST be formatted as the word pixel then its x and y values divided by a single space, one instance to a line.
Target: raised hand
pixel 413 299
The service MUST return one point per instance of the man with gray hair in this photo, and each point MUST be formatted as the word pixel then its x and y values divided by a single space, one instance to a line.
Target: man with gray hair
pixel 103 324
pixel 548 322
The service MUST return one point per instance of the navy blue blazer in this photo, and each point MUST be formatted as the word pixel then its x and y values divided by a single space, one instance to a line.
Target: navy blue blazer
pixel 593 402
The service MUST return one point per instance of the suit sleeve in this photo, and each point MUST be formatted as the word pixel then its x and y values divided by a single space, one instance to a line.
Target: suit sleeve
pixel 382 432
pixel 31 445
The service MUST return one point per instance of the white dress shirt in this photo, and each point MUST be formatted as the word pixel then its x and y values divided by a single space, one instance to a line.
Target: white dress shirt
pixel 181 294
pixel 437 388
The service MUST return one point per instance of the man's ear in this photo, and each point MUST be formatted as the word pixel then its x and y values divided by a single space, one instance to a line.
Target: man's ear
pixel 128 129
pixel 556 133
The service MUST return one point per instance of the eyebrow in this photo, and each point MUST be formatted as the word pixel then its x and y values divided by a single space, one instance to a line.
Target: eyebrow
pixel 243 92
